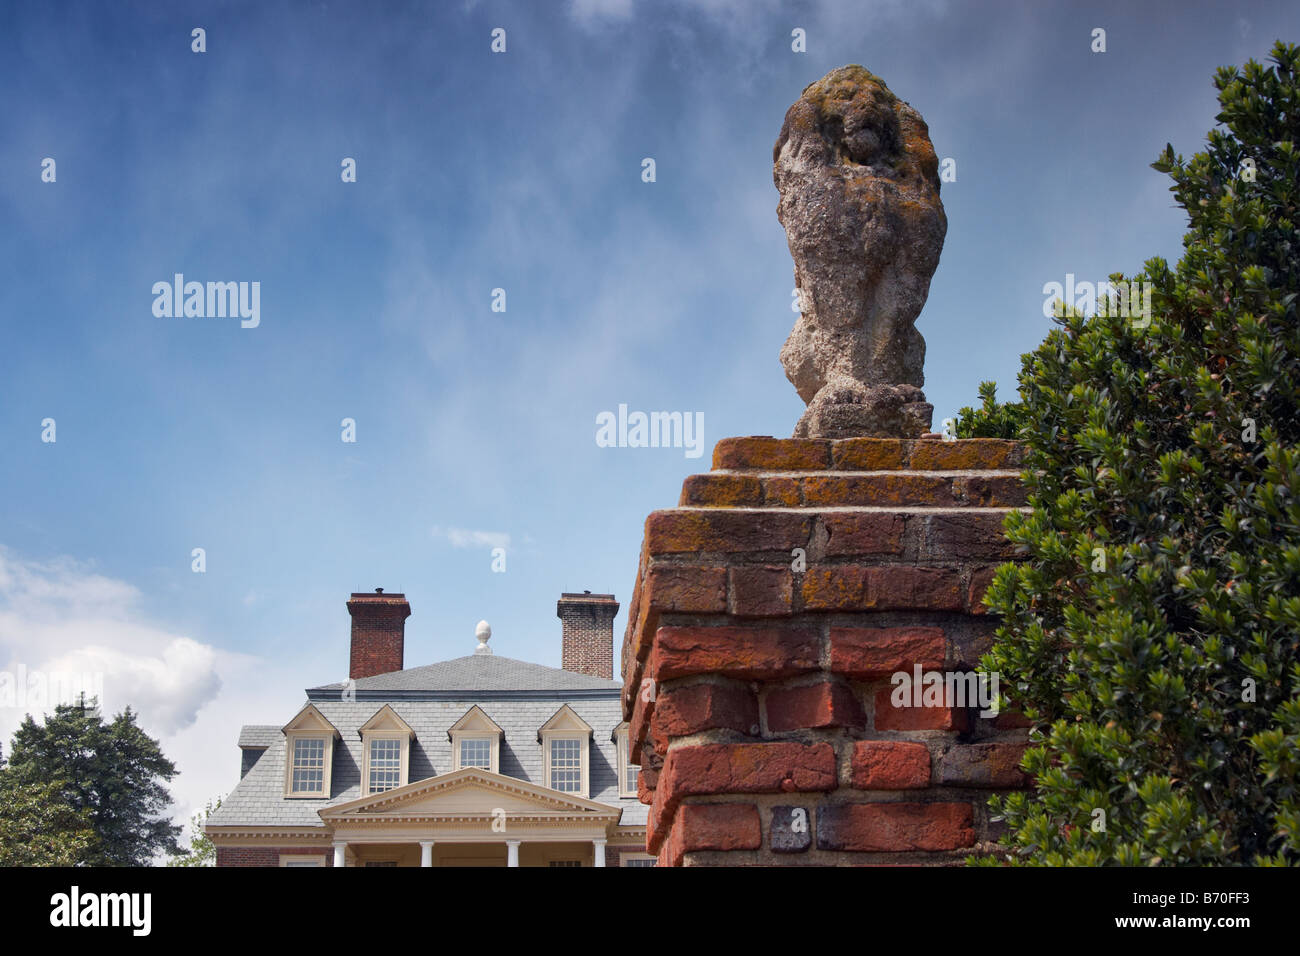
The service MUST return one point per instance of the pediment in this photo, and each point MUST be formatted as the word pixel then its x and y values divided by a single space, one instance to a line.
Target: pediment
pixel 310 720
pixel 565 720
pixel 386 719
pixel 470 792
pixel 475 721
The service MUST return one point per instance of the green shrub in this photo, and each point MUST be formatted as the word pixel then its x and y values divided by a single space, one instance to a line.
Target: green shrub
pixel 991 419
pixel 1151 632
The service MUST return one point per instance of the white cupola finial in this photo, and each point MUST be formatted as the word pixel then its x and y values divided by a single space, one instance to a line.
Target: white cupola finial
pixel 484 633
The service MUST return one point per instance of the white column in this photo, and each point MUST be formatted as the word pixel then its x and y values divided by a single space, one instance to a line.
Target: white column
pixel 340 849
pixel 600 851
pixel 512 852
pixel 426 853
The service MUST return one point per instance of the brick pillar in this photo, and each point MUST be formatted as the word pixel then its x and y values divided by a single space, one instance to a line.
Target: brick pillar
pixel 772 610
pixel 588 633
pixel 378 632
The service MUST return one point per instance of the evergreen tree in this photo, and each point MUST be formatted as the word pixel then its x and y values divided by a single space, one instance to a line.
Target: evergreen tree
pixel 114 772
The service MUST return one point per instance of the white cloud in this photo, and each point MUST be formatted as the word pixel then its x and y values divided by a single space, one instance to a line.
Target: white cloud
pixel 589 11
pixel 465 538
pixel 61 617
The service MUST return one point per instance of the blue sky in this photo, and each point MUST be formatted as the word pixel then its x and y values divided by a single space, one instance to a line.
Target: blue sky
pixel 476 171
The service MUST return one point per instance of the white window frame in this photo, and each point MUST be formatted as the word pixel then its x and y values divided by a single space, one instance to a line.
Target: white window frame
pixel 402 749
pixel 493 753
pixel 475 724
pixel 565 724
pixel 624 765
pixel 309 724
pixel 301 859
pixel 626 858
pixel 386 724
pixel 548 742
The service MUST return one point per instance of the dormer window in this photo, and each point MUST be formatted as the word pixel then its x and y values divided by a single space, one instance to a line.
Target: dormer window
pixel 566 739
pixel 476 741
pixel 627 771
pixel 386 747
pixel 309 754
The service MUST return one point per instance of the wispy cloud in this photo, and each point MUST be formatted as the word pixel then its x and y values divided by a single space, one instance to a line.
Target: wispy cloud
pixel 466 538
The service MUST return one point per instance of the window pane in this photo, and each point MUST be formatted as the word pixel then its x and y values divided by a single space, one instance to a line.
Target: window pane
pixel 385 765
pixel 476 753
pixel 629 785
pixel 566 765
pixel 308 765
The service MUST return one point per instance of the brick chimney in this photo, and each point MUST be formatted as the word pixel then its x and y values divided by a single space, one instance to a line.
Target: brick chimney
pixel 588 644
pixel 378 632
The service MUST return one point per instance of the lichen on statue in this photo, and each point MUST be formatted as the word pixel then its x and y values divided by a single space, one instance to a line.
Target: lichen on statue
pixel 859 186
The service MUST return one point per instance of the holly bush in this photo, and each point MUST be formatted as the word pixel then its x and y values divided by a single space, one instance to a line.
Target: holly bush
pixel 1150 631
pixel 993 419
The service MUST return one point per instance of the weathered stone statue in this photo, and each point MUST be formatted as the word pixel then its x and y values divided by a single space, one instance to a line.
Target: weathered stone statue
pixel 859 189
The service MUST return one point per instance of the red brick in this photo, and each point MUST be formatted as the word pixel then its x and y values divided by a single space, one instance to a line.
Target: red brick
pixel 714 826
pixel 681 711
pixel 889 717
pixel 863 533
pixel 771 454
pixel 1011 720
pixel 781 493
pixel 749 768
pixel 895 588
pixel 868 454
pixel 721 530
pixel 710 769
pixel 878 490
pixel 268 855
pixel 642 713
pixel 824 704
pixel 886 827
pixel 990 491
pixel 966 454
pixel 982 765
pixel 851 587
pixel 671 588
pixel 686 590
pixel 722 491
pixel 746 653
pixel 980 580
pixel 890 765
pixel 956 536
pixel 836 588
pixel 881 651
pixel 760 591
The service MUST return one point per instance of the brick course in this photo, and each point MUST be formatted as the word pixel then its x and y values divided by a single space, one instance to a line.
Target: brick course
pixel 794 580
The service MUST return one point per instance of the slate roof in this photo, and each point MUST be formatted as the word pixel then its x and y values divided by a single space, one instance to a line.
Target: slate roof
pixel 258 735
pixel 519 696
pixel 477 673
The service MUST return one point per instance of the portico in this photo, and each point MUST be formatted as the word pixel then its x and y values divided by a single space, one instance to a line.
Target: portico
pixel 470 817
